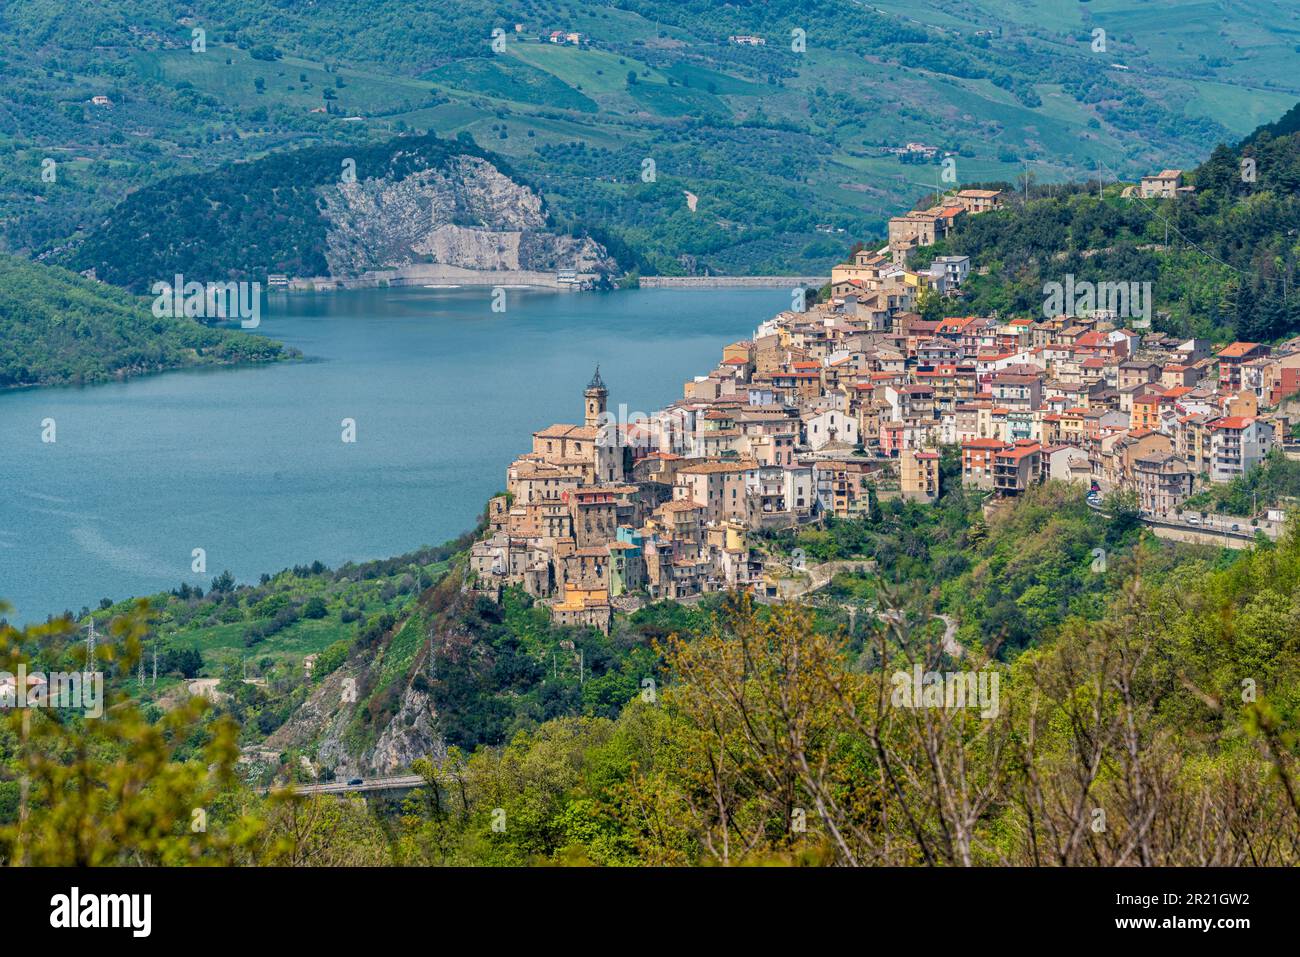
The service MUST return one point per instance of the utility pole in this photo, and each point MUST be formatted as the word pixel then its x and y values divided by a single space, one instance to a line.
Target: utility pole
pixel 90 646
pixel 155 663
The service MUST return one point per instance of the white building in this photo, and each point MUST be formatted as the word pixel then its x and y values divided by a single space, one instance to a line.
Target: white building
pixel 953 269
pixel 831 425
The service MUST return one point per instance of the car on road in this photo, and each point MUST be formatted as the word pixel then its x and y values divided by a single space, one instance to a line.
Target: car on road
pixel 1236 528
pixel 354 781
pixel 1193 521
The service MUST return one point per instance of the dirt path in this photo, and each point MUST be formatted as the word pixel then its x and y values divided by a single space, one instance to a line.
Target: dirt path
pixel 819 576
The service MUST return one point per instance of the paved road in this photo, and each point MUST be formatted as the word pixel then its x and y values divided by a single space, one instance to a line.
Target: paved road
pixel 1218 526
pixel 950 643
pixel 820 576
pixel 951 646
pixel 402 782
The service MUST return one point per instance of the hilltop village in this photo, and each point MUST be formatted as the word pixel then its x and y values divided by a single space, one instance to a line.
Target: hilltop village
pixel 826 410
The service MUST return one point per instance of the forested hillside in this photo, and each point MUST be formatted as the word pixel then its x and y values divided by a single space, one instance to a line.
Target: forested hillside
pixel 1222 260
pixel 1160 704
pixel 57 328
pixel 783 143
pixel 284 213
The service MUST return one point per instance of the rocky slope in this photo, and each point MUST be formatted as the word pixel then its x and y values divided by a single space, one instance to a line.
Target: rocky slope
pixel 375 714
pixel 335 211
pixel 466 213
pixel 321 727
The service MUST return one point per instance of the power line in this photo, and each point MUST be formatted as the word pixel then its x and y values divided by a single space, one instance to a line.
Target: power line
pixel 1208 255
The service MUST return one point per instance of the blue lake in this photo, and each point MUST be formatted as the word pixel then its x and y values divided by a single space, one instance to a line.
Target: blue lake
pixel 249 463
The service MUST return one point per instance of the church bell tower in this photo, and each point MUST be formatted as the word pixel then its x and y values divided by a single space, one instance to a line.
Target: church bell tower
pixel 596 395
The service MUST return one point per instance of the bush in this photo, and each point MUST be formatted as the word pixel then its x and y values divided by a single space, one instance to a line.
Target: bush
pixel 330 659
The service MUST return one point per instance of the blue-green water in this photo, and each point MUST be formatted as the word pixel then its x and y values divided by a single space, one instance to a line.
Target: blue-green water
pixel 249 464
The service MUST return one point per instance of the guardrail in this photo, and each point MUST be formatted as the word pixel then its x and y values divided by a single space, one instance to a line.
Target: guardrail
pixel 402 782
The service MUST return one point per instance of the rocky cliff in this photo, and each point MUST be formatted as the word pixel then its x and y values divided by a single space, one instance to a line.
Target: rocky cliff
pixel 465 213
pixel 336 211
pixel 322 725
pixel 375 713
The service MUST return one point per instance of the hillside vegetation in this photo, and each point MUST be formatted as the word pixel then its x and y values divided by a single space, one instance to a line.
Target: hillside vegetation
pixel 774 142
pixel 1222 260
pixel 1163 709
pixel 57 328
pixel 271 215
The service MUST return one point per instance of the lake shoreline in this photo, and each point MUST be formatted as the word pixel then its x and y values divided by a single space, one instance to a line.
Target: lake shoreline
pixel 251 467
pixel 121 376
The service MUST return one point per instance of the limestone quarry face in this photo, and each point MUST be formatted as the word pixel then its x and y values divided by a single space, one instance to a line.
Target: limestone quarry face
pixel 467 214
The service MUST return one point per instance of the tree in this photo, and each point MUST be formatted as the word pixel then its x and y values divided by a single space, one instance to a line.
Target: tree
pixel 117 788
pixel 1125 513
pixel 929 304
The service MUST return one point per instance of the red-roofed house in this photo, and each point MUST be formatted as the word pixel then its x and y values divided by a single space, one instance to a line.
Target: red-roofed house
pixel 977 462
pixel 1232 358
pixel 1018 467
pixel 1238 443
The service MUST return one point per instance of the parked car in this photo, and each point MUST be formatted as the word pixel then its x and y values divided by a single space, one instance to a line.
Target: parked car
pixel 1193 521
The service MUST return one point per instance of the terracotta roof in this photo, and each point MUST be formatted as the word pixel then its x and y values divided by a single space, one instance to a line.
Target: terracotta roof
pixel 1020 451
pixel 1237 350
